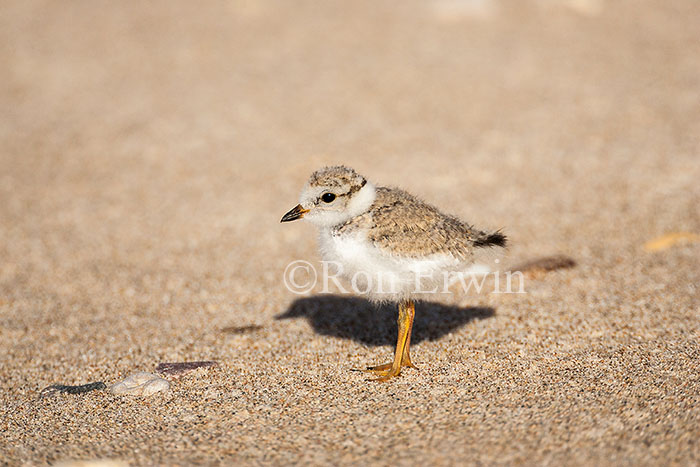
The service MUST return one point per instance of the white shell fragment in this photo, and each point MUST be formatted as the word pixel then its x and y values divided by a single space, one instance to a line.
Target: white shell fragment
pixel 140 383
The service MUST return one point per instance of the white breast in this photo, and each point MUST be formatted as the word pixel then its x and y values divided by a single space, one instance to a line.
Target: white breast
pixel 379 274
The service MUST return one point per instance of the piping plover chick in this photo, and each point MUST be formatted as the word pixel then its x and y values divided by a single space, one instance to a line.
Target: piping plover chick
pixel 390 244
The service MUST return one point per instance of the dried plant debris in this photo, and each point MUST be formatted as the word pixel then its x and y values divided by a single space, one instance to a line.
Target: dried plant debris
pixel 241 329
pixel 177 369
pixel 546 264
pixel 67 389
pixel 671 239
pixel 140 383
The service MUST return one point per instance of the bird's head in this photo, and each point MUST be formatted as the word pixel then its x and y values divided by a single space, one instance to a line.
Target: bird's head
pixel 333 195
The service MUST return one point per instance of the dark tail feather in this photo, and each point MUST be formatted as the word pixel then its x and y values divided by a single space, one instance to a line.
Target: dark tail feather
pixel 491 240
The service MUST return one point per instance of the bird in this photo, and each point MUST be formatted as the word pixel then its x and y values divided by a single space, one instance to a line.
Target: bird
pixel 391 244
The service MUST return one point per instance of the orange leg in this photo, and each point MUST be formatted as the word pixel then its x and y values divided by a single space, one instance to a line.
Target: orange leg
pixel 402 356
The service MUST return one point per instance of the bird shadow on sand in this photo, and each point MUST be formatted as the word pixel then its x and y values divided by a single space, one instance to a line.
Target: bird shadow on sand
pixel 372 324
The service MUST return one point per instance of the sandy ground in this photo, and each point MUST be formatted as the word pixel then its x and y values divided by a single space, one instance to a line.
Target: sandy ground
pixel 149 149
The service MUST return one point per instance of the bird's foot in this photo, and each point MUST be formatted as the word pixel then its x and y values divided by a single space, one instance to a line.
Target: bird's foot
pixel 388 370
pixel 385 372
pixel 379 368
pixel 382 368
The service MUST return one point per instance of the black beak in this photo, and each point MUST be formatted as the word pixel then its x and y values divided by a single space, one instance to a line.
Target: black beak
pixel 296 213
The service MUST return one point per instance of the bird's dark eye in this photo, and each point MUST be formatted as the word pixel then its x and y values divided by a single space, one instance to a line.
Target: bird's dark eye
pixel 328 197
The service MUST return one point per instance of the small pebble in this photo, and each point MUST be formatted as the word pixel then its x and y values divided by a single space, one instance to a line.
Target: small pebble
pixel 177 369
pixel 62 388
pixel 140 383
pixel 546 264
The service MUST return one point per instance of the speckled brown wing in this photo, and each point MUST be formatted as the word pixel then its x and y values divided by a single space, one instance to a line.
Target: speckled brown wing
pixel 403 225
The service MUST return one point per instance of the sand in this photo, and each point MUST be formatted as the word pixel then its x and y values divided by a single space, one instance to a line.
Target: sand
pixel 149 149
